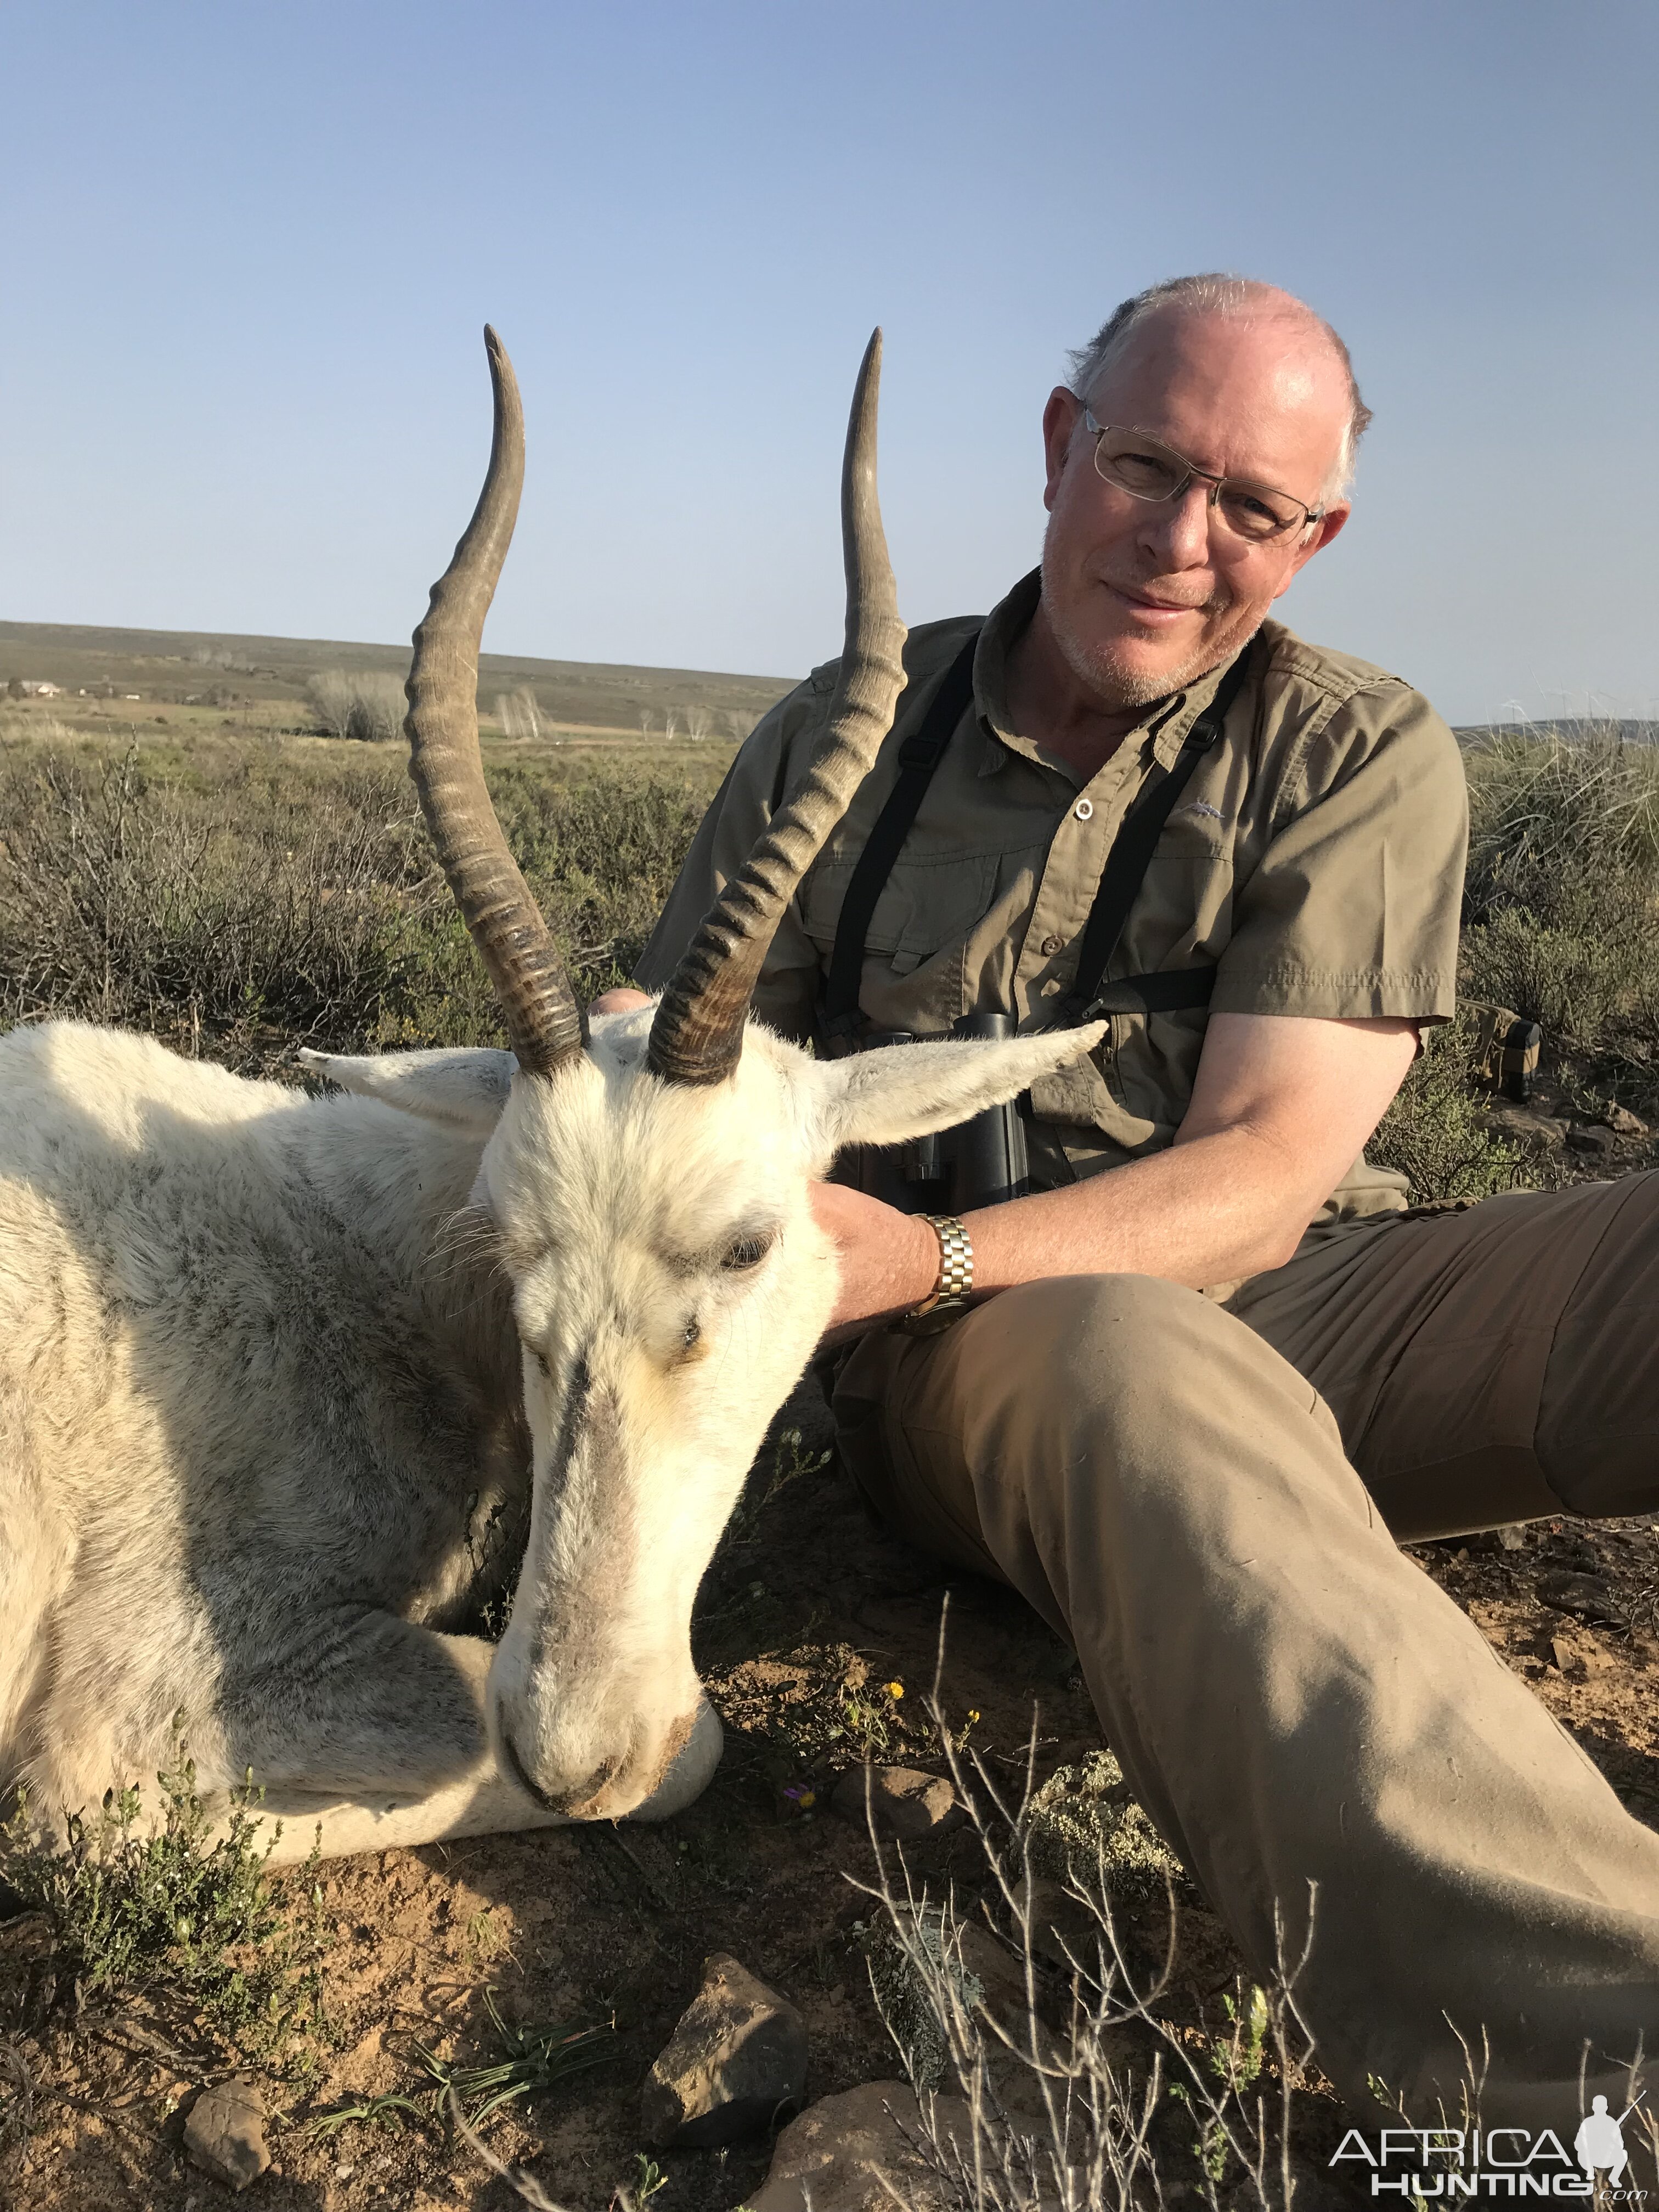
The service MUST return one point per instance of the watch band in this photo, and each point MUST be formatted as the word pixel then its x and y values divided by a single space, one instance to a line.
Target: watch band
pixel 955 1265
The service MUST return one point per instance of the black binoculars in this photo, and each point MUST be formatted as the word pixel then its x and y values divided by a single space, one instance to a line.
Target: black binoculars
pixel 979 1163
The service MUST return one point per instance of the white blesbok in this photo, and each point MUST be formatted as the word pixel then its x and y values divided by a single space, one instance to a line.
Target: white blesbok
pixel 291 1388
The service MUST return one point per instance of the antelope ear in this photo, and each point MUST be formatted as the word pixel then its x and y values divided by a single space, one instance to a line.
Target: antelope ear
pixel 463 1090
pixel 905 1090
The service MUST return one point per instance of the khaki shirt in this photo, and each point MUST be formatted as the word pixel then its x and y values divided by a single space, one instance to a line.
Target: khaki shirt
pixel 1316 858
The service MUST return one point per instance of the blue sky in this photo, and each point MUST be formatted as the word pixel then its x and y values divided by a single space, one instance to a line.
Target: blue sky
pixel 247 250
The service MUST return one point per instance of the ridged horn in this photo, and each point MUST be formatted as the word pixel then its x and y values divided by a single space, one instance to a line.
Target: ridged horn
pixel 545 1025
pixel 696 1035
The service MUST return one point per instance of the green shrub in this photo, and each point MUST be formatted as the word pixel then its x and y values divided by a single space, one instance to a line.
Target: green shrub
pixel 191 1919
pixel 1561 910
pixel 279 907
pixel 1436 1134
pixel 1084 1825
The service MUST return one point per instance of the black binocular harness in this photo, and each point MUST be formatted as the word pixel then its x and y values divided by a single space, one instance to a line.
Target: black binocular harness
pixel 1164 991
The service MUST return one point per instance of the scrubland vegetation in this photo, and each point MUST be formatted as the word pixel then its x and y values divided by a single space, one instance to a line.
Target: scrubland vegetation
pixel 237 898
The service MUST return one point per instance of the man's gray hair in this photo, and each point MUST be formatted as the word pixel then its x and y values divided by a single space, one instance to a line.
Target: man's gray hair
pixel 1219 293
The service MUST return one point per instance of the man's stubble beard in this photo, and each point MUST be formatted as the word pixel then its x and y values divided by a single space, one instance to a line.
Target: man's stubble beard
pixel 1118 687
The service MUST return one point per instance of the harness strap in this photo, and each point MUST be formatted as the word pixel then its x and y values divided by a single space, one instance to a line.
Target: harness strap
pixel 1166 990
pixel 919 756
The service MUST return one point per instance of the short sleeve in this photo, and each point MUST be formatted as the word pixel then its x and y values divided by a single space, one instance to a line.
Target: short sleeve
pixel 1353 911
pixel 755 786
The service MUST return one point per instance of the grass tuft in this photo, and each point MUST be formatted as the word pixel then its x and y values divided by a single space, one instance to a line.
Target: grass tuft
pixel 533 2060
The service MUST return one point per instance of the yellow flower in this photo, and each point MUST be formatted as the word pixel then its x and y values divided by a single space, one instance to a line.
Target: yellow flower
pixel 973 1712
pixel 896 1689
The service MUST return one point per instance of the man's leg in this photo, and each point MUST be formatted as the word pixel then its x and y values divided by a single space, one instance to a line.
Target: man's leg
pixel 1488 1365
pixel 1293 1700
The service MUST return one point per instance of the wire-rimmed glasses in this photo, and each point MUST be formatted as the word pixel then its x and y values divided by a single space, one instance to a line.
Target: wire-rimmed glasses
pixel 1147 469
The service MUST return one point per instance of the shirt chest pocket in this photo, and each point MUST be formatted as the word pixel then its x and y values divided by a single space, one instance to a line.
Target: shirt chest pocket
pixel 926 908
pixel 1185 899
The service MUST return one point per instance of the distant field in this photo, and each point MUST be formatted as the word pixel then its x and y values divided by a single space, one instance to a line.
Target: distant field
pixel 261 681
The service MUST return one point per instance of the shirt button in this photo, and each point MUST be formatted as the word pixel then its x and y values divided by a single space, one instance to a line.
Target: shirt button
pixel 1051 946
pixel 1083 809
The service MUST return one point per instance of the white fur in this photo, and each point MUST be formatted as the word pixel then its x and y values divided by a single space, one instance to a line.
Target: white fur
pixel 290 1386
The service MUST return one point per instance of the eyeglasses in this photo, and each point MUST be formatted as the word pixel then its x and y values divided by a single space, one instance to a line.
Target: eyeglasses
pixel 1148 469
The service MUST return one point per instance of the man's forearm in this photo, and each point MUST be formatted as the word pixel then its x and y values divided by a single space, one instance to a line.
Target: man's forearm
pixel 1212 1211
pixel 1280 1108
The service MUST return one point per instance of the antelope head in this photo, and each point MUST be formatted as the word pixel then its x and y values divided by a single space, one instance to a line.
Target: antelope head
pixel 647 1184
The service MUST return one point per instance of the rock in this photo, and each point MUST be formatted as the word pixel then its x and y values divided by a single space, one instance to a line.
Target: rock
pixel 1512 1537
pixel 1591 1140
pixel 1065 1933
pixel 225 2134
pixel 849 2153
pixel 738 2056
pixel 1000 1972
pixel 906 1803
pixel 1624 1123
pixel 1579 1656
pixel 1582 1596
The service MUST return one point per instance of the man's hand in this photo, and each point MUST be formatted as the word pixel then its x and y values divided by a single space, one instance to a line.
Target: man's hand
pixel 888 1261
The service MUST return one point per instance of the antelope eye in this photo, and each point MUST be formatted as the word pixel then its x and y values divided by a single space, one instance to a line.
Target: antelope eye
pixel 745 1253
pixel 690 1334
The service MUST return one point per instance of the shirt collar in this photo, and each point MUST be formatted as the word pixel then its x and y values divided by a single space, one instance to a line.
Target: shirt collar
pixel 1165 722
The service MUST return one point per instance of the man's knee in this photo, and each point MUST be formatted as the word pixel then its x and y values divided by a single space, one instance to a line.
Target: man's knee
pixel 1111 1379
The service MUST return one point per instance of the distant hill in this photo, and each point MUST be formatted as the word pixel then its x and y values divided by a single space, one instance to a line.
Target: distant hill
pixel 173 666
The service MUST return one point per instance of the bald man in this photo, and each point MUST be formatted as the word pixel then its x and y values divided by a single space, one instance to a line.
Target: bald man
pixel 1187 1393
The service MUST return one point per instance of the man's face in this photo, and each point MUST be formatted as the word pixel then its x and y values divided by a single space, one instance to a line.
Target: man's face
pixel 1143 597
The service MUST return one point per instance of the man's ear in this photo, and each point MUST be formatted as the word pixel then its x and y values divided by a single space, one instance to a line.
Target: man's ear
pixel 905 1090
pixel 1329 526
pixel 463 1090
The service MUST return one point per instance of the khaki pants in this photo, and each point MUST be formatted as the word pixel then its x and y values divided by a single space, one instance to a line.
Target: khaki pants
pixel 1204 1500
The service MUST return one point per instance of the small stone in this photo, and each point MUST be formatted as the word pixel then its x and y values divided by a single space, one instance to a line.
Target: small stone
pixel 1624 1123
pixel 225 2134
pixel 905 1802
pixel 1579 1656
pixel 849 2153
pixel 1512 1537
pixel 1591 1140
pixel 736 2059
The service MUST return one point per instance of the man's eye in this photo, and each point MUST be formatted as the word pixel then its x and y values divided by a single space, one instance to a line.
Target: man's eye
pixel 745 1253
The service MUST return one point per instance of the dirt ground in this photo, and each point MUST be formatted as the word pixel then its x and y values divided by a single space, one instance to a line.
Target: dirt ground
pixel 809 1616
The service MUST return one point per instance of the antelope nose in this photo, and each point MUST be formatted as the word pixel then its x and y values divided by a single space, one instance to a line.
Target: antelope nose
pixel 571 1799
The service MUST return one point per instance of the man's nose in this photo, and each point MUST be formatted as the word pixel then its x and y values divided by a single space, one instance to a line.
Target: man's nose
pixel 1177 532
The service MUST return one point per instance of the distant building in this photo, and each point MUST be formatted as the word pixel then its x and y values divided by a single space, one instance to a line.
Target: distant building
pixel 38 688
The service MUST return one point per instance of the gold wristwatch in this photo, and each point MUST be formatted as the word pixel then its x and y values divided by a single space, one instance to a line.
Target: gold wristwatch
pixel 956 1267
